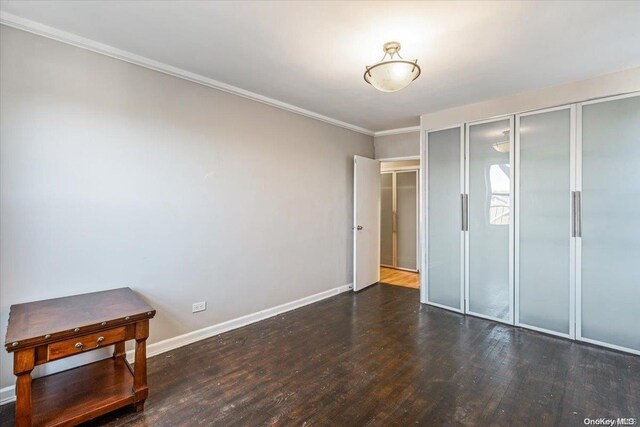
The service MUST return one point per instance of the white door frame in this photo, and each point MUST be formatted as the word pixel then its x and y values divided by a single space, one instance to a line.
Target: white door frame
pixel 399 159
pixel 393 208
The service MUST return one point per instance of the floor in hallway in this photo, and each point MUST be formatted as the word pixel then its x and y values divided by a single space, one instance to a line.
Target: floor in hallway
pixel 391 276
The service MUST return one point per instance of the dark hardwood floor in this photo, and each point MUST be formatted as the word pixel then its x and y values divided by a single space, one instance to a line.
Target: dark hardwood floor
pixel 380 358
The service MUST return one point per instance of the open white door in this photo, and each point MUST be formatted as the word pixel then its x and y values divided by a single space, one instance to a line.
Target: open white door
pixel 366 222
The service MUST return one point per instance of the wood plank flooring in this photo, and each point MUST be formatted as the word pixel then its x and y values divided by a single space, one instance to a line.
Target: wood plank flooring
pixel 391 276
pixel 379 358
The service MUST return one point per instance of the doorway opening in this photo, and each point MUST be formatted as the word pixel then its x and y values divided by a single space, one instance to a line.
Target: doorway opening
pixel 399 223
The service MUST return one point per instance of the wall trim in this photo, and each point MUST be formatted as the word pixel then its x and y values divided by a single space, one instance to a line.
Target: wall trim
pixel 397 131
pixel 7 394
pixel 219 328
pixel 30 26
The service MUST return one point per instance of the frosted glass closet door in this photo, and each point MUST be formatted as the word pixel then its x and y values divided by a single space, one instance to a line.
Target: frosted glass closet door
pixel 386 219
pixel 610 287
pixel 489 279
pixel 543 273
pixel 407 217
pixel 444 233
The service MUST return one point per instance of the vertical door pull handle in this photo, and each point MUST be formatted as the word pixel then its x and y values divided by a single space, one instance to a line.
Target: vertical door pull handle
pixel 579 214
pixel 394 223
pixel 466 212
pixel 462 212
pixel 573 214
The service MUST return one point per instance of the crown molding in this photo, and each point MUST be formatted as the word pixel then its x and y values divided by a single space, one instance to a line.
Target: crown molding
pixel 397 131
pixel 123 55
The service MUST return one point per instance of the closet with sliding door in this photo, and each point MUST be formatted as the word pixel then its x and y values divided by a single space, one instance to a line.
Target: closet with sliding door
pixel 533 219
pixel 399 219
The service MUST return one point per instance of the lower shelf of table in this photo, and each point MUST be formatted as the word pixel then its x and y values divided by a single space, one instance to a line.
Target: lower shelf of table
pixel 82 393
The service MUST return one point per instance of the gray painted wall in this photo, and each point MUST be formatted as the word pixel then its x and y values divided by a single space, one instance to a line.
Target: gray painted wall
pixel 115 175
pixel 399 145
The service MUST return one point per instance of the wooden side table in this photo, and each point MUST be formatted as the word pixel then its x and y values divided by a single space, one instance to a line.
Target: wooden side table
pixel 43 331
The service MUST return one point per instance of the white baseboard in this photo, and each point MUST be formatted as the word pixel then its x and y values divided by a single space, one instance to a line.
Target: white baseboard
pixel 7 394
pixel 213 330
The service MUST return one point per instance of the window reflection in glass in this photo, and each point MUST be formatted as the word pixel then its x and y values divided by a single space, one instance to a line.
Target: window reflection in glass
pixel 499 202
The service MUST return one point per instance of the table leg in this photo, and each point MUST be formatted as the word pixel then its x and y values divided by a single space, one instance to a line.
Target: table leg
pixel 119 350
pixel 140 367
pixel 23 363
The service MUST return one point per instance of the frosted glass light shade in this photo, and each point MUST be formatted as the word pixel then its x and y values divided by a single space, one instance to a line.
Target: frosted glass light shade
pixel 392 76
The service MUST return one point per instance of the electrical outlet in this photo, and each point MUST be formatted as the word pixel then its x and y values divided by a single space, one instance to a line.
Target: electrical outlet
pixel 199 306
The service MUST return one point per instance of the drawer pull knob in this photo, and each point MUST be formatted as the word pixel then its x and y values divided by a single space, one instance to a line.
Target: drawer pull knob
pixel 80 345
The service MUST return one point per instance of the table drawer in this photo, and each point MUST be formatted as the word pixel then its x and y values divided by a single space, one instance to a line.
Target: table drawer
pixel 84 343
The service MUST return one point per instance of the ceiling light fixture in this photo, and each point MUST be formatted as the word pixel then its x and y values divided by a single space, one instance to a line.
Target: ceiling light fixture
pixel 393 74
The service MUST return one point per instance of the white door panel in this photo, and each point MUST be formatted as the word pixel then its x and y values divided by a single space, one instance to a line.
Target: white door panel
pixel 366 222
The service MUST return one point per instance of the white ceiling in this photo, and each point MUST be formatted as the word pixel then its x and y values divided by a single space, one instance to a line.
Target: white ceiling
pixel 312 54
